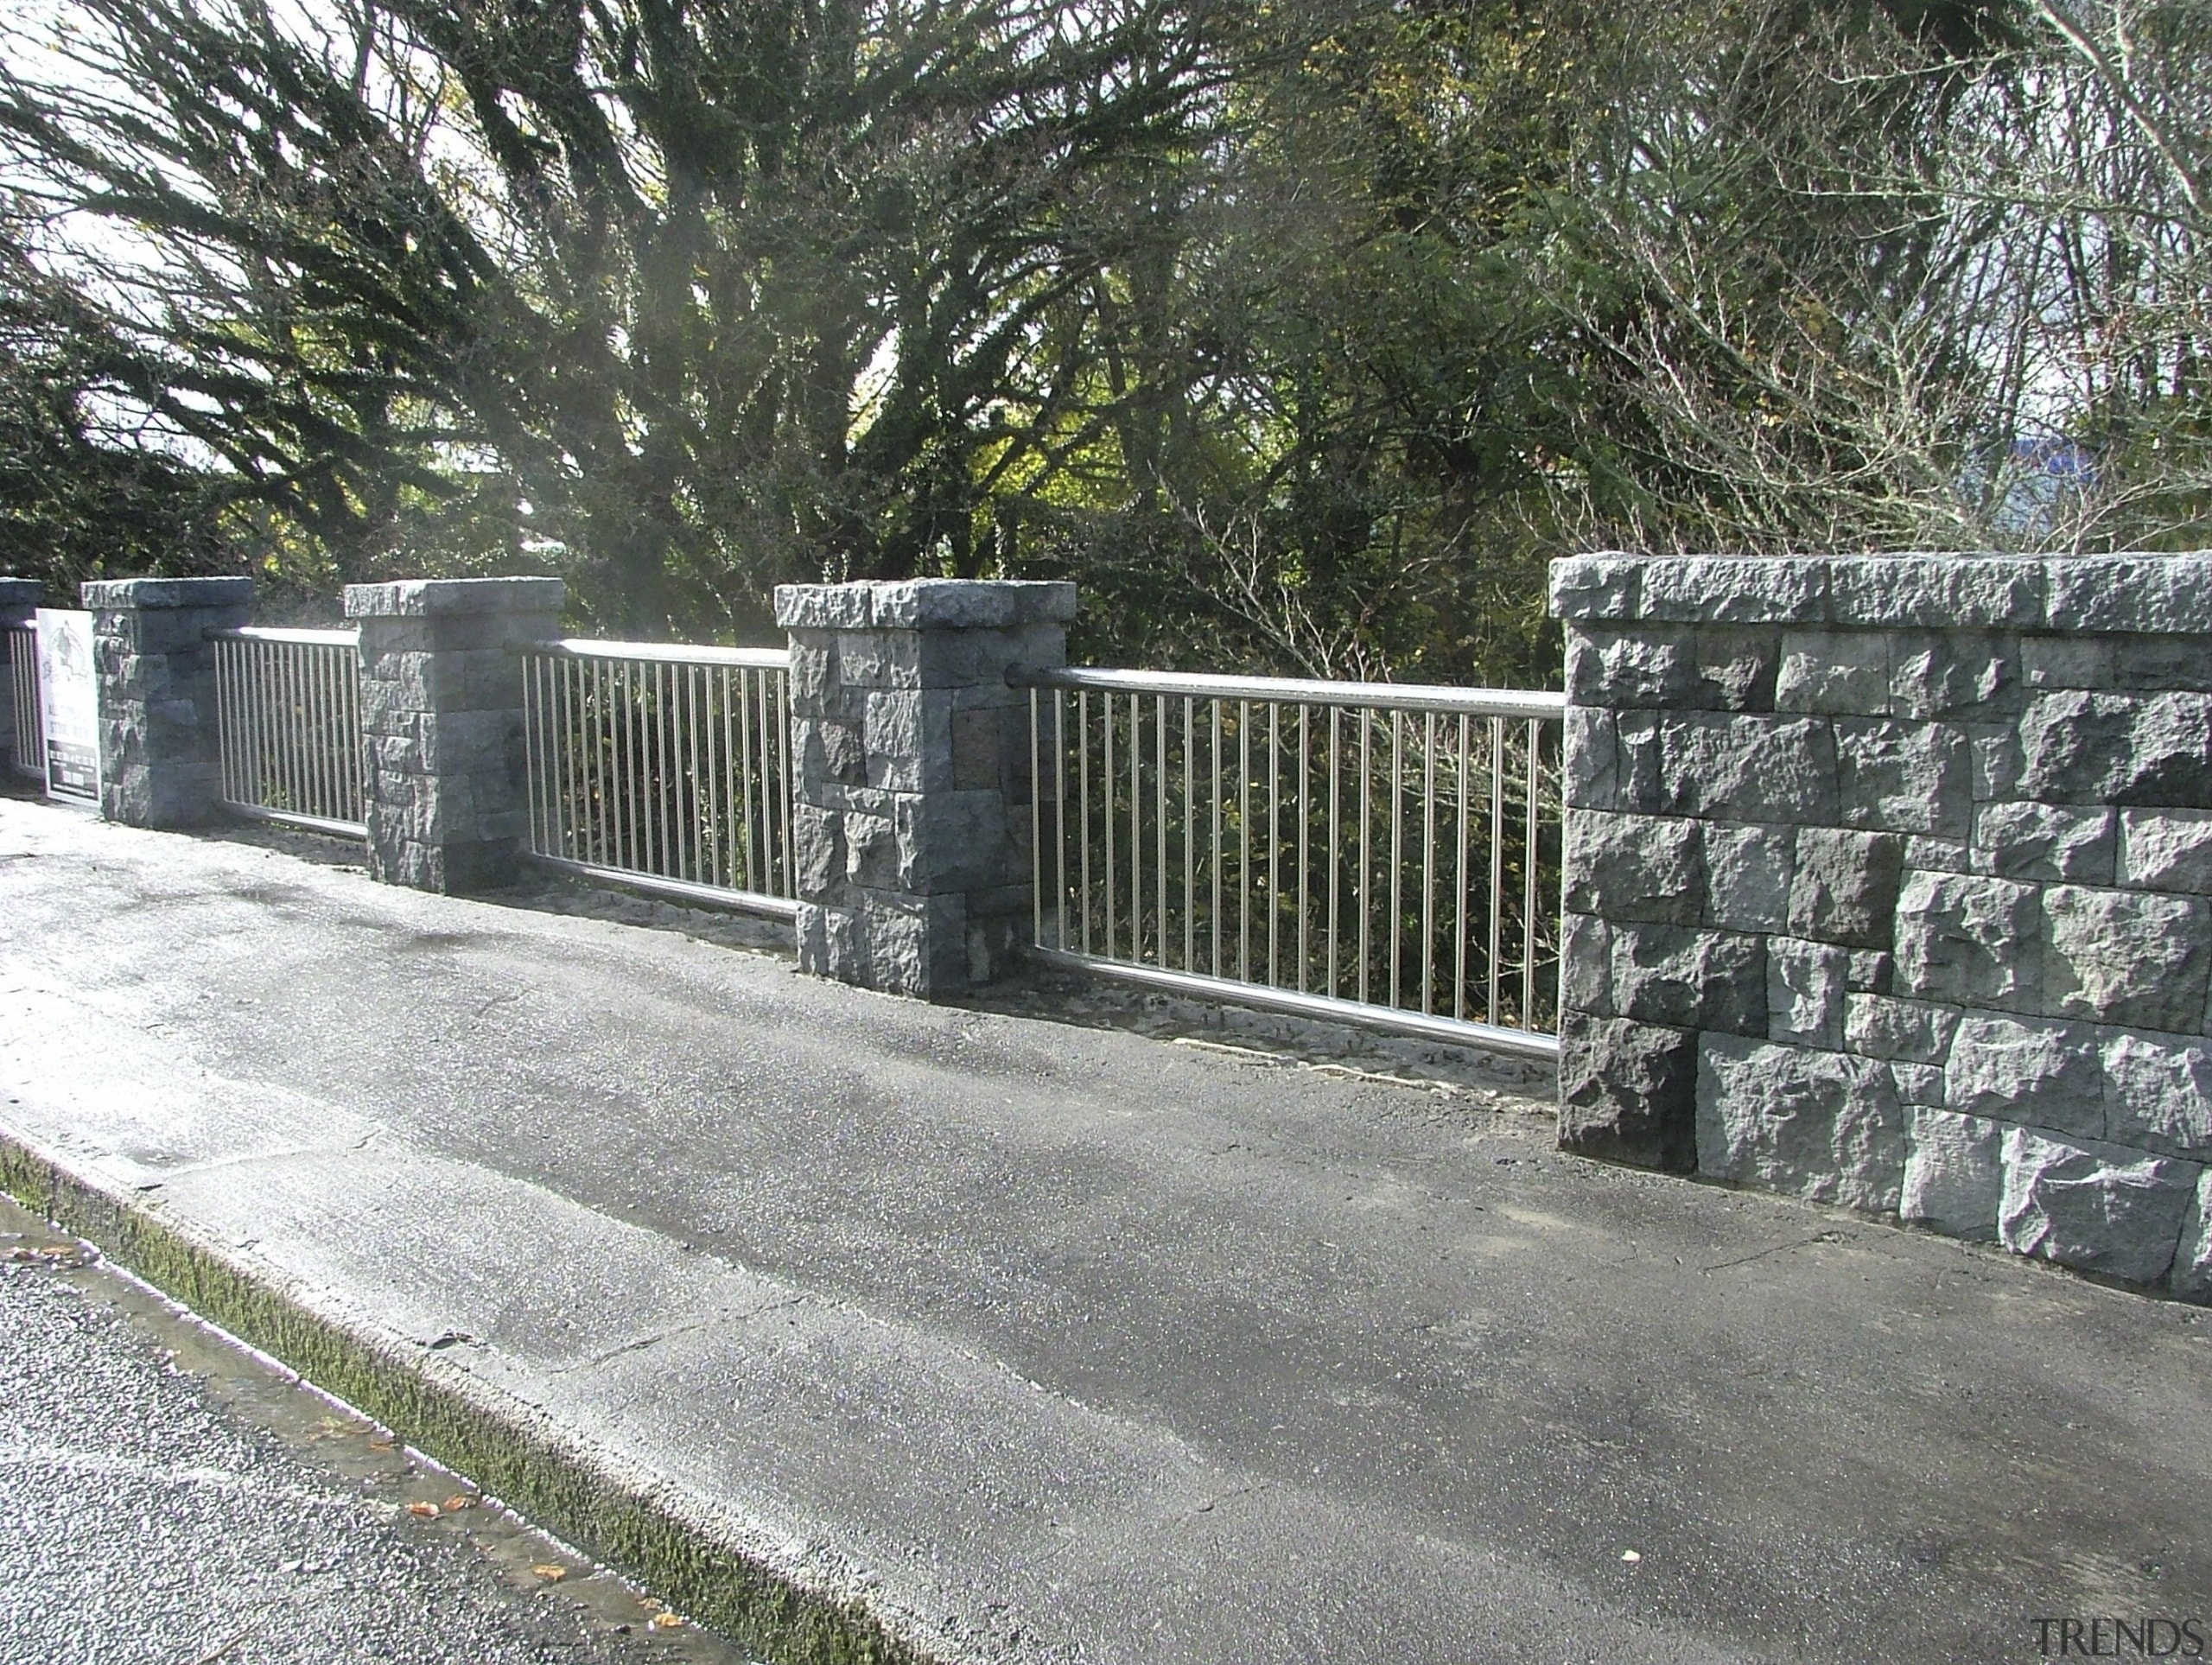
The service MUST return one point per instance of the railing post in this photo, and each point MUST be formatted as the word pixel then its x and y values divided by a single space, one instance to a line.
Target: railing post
pixel 444 787
pixel 160 762
pixel 910 813
pixel 19 600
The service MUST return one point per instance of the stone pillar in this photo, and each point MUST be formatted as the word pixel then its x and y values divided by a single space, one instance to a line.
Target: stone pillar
pixel 19 600
pixel 441 725
pixel 1889 884
pixel 911 812
pixel 160 765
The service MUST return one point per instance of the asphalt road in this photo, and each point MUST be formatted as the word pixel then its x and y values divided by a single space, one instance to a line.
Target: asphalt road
pixel 166 1497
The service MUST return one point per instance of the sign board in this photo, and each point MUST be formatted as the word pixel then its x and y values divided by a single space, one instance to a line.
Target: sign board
pixel 70 691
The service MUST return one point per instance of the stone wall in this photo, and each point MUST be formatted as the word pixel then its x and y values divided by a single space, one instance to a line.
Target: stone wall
pixel 911 801
pixel 160 764
pixel 1889 884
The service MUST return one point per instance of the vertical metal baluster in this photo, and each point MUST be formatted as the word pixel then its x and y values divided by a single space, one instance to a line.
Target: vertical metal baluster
pixel 784 775
pixel 1082 784
pixel 1106 809
pixel 1274 836
pixel 1335 836
pixel 1136 832
pixel 1304 861
pixel 1428 864
pixel 1160 816
pixel 708 779
pixel 1060 818
pixel 694 795
pixel 560 736
pixel 1190 833
pixel 296 727
pixel 1036 829
pixel 1244 841
pixel 663 799
pixel 627 768
pixel 1528 1017
pixel 326 736
pixel 304 729
pixel 737 785
pixel 1496 849
pixel 533 771
pixel 223 709
pixel 1365 889
pixel 1397 851
pixel 591 721
pixel 1214 847
pixel 1463 923
pixel 287 726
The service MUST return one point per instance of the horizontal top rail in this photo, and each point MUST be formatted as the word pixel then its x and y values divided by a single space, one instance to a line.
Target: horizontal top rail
pixel 301 637
pixel 753 658
pixel 1523 703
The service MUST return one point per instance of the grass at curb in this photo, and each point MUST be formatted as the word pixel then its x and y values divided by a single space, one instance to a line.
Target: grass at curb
pixel 558 1485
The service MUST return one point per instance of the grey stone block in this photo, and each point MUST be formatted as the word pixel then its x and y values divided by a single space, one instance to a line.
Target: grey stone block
pixel 1950 673
pixel 1996 760
pixel 2170 752
pixel 428 598
pixel 1965 940
pixel 1871 971
pixel 1736 590
pixel 1829 672
pixel 2048 662
pixel 1824 1126
pixel 1736 667
pixel 926 604
pixel 1746 768
pixel 2157 595
pixel 1688 978
pixel 1748 870
pixel 2027 1069
pixel 1640 764
pixel 2094 1206
pixel 1585 975
pixel 1925 854
pixel 1904 777
pixel 2192 1268
pixel 2120 957
pixel 1647 666
pixel 2157 1093
pixel 1596 587
pixel 2166 850
pixel 1805 984
pixel 1628 1092
pixel 1919 1083
pixel 2044 843
pixel 1634 867
pixel 1844 886
pixel 2074 745
pixel 158 594
pixel 1953 1173
pixel 1936 591
pixel 1592 758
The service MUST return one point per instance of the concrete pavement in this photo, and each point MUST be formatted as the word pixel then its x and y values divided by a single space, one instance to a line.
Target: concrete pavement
pixel 906 1330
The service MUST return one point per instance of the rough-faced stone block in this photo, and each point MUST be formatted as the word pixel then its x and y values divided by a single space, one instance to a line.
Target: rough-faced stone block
pixel 1949 673
pixel 2160 594
pixel 1635 867
pixel 2133 957
pixel 2068 662
pixel 2170 752
pixel 2075 747
pixel 1639 784
pixel 1653 666
pixel 1844 886
pixel 2044 843
pixel 2166 850
pixel 159 754
pixel 1830 671
pixel 1966 940
pixel 1805 985
pixel 1736 667
pixel 1628 1092
pixel 1596 587
pixel 2094 1206
pixel 1824 1126
pixel 1871 971
pixel 1747 768
pixel 1904 777
pixel 1937 592
pixel 1736 590
pixel 2027 1069
pixel 1919 1083
pixel 1953 1173
pixel 2158 1094
pixel 1592 758
pixel 1585 965
pixel 1689 978
pixel 2192 1269
pixel 1748 871
pixel 1996 760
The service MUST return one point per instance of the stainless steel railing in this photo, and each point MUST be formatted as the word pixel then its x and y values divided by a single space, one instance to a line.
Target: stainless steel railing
pixel 288 706
pixel 28 757
pixel 1372 852
pixel 663 767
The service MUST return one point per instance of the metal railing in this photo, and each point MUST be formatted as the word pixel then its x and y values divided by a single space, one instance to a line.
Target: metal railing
pixel 288 706
pixel 28 756
pixel 663 767
pixel 1378 853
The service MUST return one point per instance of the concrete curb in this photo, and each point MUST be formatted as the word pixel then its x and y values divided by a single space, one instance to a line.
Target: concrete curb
pixel 639 1522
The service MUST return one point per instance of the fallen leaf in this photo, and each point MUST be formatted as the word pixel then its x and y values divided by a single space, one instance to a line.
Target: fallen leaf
pixel 1631 1555
pixel 549 1572
pixel 458 1501
pixel 427 1511
pixel 665 1620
